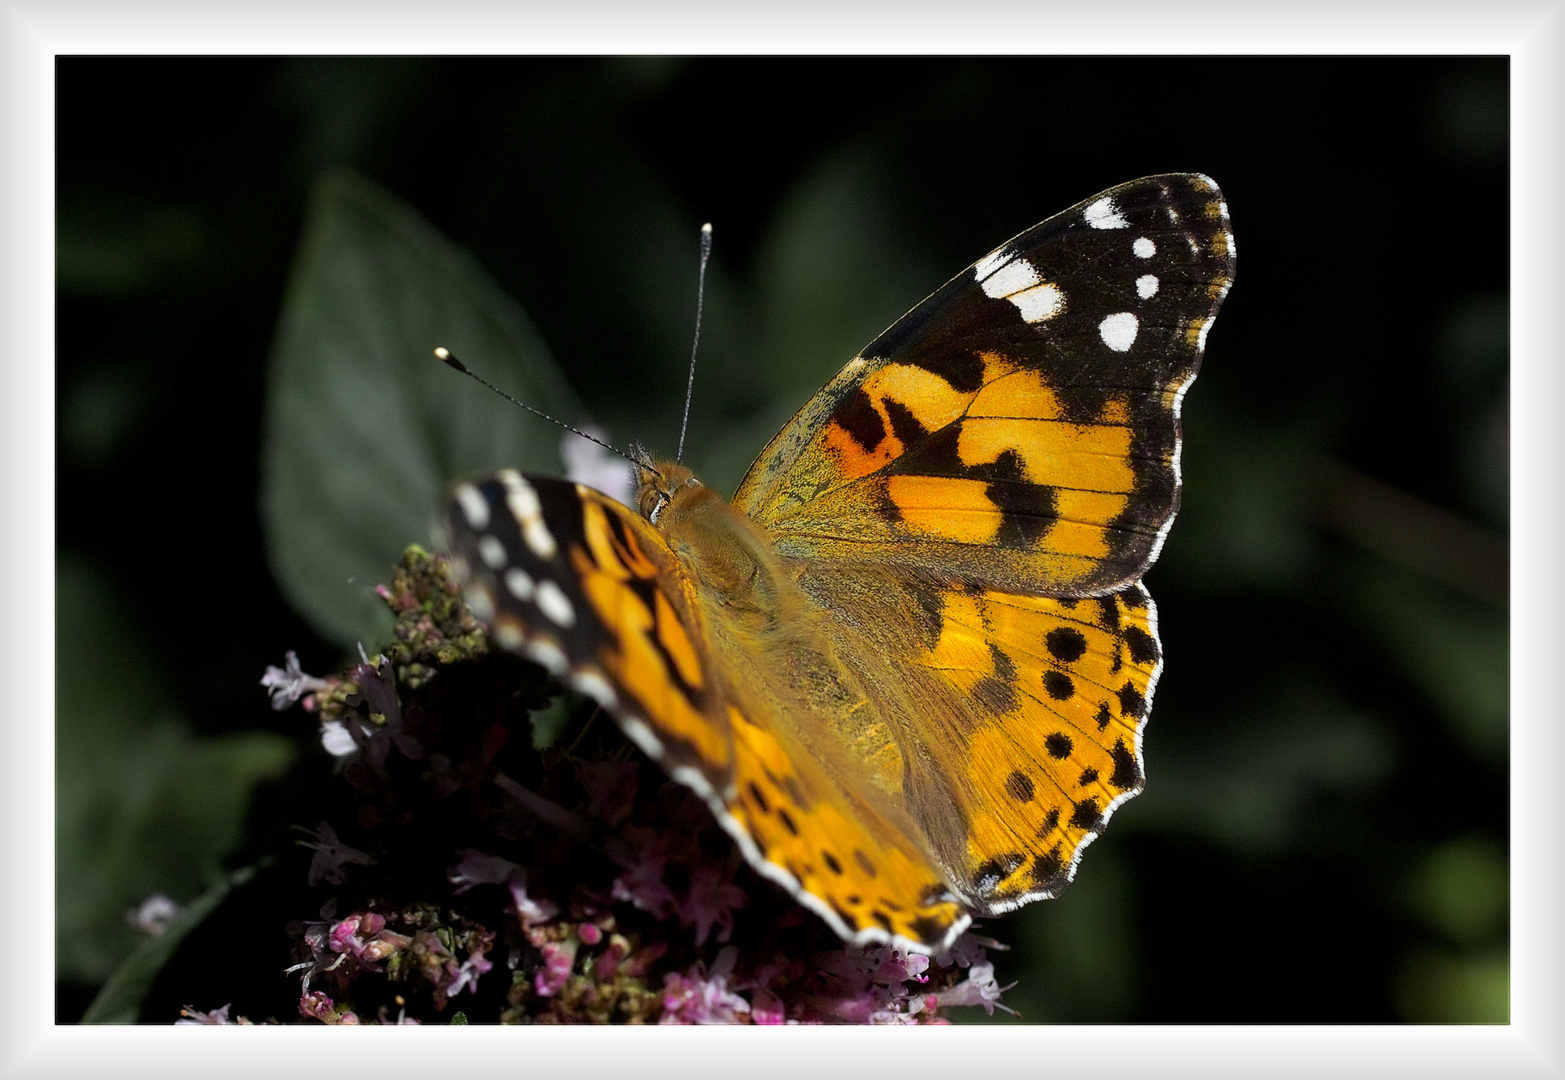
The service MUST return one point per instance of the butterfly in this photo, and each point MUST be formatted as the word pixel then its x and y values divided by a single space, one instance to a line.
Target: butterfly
pixel 909 664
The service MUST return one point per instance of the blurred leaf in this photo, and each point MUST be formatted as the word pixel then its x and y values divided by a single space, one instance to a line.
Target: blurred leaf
pixel 1456 650
pixel 104 247
pixel 1249 791
pixel 1439 988
pixel 141 805
pixel 1463 890
pixel 1241 521
pixel 834 272
pixel 99 412
pixel 363 427
pixel 551 721
pixel 119 1002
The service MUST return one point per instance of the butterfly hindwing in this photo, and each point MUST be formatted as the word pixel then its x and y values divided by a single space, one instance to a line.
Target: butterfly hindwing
pixel 1020 427
pixel 1063 689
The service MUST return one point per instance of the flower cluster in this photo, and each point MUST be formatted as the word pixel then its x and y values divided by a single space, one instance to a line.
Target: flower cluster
pixel 572 884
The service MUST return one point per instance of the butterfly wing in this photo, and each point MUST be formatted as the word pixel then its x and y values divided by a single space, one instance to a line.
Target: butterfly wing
pixel 1003 465
pixel 572 580
pixel 577 582
pixel 1025 734
pixel 1019 428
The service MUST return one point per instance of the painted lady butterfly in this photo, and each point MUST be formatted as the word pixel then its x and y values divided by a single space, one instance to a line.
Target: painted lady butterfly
pixel 910 664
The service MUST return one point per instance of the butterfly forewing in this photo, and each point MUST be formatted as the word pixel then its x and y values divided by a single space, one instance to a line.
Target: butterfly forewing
pixel 576 582
pixel 1019 428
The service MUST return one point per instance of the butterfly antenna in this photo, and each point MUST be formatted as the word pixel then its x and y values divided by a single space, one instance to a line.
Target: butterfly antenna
pixel 690 384
pixel 445 356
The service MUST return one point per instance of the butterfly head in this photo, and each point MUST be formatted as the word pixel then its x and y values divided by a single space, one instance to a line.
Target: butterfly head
pixel 659 483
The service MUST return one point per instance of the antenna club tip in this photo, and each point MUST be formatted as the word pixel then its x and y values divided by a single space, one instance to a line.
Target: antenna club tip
pixel 443 354
pixel 707 229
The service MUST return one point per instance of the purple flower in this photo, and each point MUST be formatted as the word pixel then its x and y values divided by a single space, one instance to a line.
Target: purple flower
pixel 337 739
pixel 330 855
pixel 466 976
pixel 375 682
pixel 154 915
pixel 191 1017
pixel 766 1008
pixel 979 988
pixel 703 997
pixel 558 959
pixel 289 683
pixel 642 882
pixel 711 902
pixel 610 787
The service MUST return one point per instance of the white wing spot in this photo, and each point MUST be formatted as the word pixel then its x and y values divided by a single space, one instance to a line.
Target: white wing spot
pixel 1143 248
pixel 522 500
pixel 555 604
pixel 1146 286
pixel 519 583
pixel 1103 214
pixel 594 686
pixel 1013 277
pixel 474 507
pixel 491 551
pixel 1039 302
pixel 990 263
pixel 1018 282
pixel 545 652
pixel 478 602
pixel 1119 331
pixel 642 736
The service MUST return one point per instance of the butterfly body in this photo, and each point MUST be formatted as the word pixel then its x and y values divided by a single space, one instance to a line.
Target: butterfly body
pixel 909 665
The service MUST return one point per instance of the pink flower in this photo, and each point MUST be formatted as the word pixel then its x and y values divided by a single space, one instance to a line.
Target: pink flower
pixel 979 988
pixel 711 902
pixel 314 1005
pixel 191 1016
pixel 289 683
pixel 702 997
pixel 558 958
pixel 766 1008
pixel 642 882
pixel 467 975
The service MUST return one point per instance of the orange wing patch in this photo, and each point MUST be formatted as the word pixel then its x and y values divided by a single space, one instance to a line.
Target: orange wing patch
pixel 1031 405
pixel 857 870
pixel 647 650
pixel 1066 688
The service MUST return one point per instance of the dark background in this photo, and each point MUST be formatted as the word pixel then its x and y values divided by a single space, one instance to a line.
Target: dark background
pixel 1323 836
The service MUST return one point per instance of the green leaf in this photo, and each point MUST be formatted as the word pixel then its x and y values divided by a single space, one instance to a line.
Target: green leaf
pixel 141 805
pixel 364 428
pixel 1455 649
pixel 119 1002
